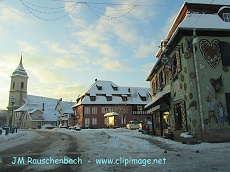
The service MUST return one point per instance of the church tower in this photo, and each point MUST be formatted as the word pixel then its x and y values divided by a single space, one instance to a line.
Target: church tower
pixel 18 90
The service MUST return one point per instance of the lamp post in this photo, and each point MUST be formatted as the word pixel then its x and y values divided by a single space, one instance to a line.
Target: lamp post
pixel 12 100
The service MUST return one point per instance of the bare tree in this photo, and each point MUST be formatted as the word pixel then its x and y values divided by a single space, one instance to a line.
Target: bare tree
pixel 122 111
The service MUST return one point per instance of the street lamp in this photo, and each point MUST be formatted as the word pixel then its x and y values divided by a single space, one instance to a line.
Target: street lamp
pixel 12 100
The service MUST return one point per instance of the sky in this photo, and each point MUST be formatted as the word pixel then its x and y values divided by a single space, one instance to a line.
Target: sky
pixel 66 45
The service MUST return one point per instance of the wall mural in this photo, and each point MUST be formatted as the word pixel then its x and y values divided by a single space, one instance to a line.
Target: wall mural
pixel 221 114
pixel 216 113
pixel 211 52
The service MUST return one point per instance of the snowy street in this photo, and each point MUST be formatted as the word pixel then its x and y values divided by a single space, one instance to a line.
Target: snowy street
pixel 106 150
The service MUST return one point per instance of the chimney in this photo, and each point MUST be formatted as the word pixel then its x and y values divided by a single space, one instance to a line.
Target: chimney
pixel 43 105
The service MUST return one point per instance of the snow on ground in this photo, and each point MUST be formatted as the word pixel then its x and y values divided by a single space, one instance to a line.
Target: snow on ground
pixel 11 140
pixel 120 144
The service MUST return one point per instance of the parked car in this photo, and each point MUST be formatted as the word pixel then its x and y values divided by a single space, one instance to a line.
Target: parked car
pixel 77 127
pixel 133 125
pixel 62 126
pixel 47 126
pixel 71 127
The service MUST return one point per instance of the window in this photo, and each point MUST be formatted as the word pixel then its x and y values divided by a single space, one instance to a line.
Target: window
pixel 99 87
pixel 123 120
pixel 115 88
pixel 93 98
pixel 111 109
pixel 22 85
pixel 13 85
pixel 224 49
pixel 124 98
pixel 104 110
pixel 94 121
pixel 139 108
pixel 226 17
pixel 94 110
pixel 87 110
pixel 153 82
pixel 87 122
pixel 143 98
pixel 109 98
pixel 105 121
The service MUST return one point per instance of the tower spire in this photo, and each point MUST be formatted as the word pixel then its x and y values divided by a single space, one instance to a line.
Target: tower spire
pixel 20 69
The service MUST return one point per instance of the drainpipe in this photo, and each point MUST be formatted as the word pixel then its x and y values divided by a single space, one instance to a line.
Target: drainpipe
pixel 195 39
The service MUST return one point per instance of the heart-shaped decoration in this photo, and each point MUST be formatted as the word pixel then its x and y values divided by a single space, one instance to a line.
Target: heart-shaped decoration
pixel 211 52
pixel 202 67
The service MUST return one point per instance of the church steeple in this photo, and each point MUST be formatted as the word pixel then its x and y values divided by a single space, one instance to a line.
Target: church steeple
pixel 18 90
pixel 20 70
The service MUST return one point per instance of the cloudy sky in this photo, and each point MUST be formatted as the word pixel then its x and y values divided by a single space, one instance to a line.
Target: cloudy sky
pixel 67 44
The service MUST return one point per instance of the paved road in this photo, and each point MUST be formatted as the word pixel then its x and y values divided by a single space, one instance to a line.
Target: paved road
pixel 45 145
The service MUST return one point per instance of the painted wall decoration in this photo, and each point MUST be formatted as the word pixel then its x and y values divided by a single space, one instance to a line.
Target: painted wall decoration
pixel 211 52
pixel 190 95
pixel 187 55
pixel 217 84
pixel 216 113
pixel 192 75
pixel 202 67
pixel 221 114
pixel 225 69
pixel 178 61
pixel 185 69
pixel 211 102
pixel 183 114
pixel 182 77
pixel 193 104
pixel 185 86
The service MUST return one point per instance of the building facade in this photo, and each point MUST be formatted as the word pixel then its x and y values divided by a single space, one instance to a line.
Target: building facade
pixel 189 82
pixel 105 96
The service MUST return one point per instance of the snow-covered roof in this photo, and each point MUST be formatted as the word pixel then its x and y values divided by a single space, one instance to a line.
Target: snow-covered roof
pixel 67 107
pixel 204 21
pixel 45 105
pixel 159 96
pixel 135 95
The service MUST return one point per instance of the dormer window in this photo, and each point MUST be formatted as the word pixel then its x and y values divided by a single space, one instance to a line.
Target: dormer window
pixel 143 98
pixel 124 98
pixel 93 98
pixel 109 98
pixel 99 87
pixel 115 88
pixel 226 17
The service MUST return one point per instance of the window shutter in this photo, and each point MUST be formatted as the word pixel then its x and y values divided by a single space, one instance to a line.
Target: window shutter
pixel 225 53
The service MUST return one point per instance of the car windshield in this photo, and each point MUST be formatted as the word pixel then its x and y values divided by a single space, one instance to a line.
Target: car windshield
pixel 135 122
